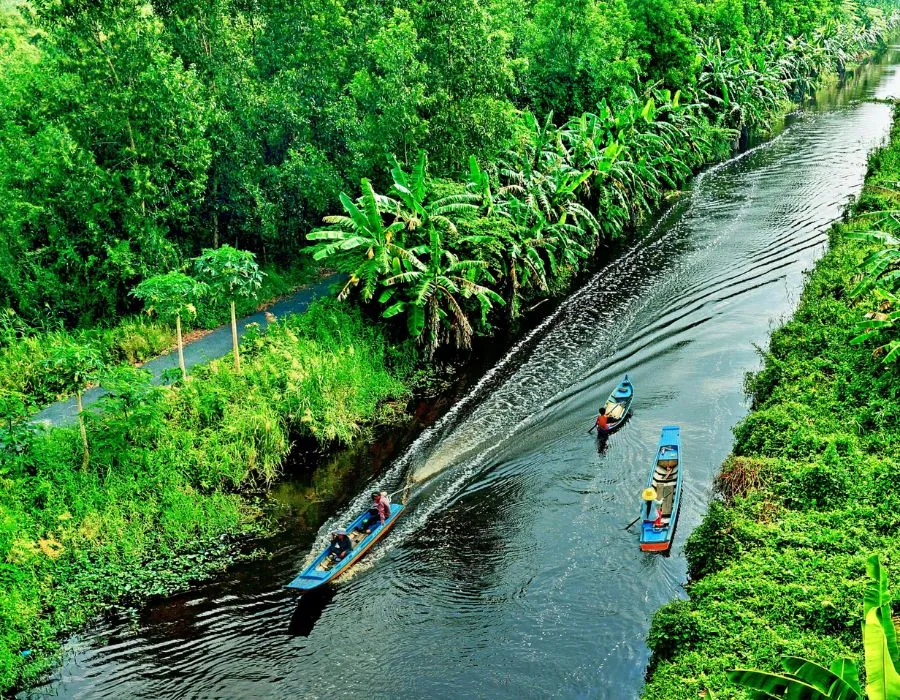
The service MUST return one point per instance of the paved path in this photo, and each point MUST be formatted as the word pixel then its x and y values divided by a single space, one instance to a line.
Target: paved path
pixel 209 347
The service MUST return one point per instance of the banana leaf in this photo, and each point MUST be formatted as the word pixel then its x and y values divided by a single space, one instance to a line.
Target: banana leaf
pixel 882 679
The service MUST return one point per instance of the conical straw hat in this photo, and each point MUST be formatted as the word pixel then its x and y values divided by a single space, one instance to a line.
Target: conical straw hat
pixel 649 494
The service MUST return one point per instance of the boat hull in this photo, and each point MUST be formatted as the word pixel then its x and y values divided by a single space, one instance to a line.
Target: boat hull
pixel 313 576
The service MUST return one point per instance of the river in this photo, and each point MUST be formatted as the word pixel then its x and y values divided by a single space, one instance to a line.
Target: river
pixel 510 575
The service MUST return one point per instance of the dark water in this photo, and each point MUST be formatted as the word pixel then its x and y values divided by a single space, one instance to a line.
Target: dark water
pixel 510 575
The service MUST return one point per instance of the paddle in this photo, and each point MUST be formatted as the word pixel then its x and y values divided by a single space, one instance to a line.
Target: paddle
pixel 632 523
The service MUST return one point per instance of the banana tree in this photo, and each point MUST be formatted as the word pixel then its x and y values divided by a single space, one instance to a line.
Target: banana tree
pixel 170 296
pixel 479 184
pixel 362 227
pixel 807 680
pixel 420 212
pixel 229 274
pixel 433 295
pixel 881 277
pixel 519 254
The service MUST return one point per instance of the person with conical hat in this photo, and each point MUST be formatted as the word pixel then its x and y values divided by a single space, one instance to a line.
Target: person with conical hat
pixel 651 498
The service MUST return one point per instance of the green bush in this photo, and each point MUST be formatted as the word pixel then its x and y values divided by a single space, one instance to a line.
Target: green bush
pixel 711 544
pixel 674 625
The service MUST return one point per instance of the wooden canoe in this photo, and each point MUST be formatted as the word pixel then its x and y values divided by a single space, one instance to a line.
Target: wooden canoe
pixel 617 406
pixel 662 496
pixel 323 569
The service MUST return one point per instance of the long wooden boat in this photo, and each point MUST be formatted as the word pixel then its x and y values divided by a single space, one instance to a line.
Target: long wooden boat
pixel 617 406
pixel 662 496
pixel 324 569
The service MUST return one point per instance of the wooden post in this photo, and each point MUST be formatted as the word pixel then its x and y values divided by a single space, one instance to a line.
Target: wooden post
pixel 234 339
pixel 84 440
pixel 180 347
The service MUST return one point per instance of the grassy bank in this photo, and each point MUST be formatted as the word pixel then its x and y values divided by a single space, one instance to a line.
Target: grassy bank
pixel 25 348
pixel 778 565
pixel 169 474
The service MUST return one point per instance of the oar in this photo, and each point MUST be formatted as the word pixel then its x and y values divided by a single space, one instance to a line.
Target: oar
pixel 632 523
pixel 593 427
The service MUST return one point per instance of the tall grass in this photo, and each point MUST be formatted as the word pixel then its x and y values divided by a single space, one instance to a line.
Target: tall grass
pixel 167 476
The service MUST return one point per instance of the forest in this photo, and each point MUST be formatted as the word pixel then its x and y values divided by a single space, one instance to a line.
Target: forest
pixel 454 161
pixel 134 135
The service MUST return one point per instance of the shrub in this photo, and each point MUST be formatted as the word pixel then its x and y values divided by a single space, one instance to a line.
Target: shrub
pixel 674 625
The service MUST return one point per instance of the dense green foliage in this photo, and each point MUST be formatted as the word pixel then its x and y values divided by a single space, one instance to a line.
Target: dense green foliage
pixel 809 494
pixel 807 680
pixel 880 280
pixel 25 348
pixel 166 470
pixel 137 135
pixel 447 254
pixel 134 134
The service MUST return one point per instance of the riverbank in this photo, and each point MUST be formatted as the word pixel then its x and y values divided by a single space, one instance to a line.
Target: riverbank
pixel 169 474
pixel 777 566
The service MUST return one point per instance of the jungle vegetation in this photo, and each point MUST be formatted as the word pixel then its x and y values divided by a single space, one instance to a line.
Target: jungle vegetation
pixel 133 135
pixel 454 158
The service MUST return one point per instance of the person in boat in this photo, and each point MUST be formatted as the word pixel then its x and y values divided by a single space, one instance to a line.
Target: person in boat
pixel 378 513
pixel 340 545
pixel 602 420
pixel 652 500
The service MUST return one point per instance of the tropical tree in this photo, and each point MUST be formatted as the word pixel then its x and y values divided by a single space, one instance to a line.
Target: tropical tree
pixel 881 277
pixel 169 296
pixel 748 90
pixel 479 184
pixel 363 227
pixel 74 366
pixel 416 206
pixel 514 254
pixel 433 294
pixel 807 680
pixel 391 89
pixel 229 274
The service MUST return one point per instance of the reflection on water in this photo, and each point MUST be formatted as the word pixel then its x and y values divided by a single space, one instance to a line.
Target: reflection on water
pixel 511 573
pixel 308 611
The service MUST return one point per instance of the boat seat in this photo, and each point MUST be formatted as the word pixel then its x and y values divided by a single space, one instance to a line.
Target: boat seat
pixel 667 463
pixel 667 496
pixel 615 411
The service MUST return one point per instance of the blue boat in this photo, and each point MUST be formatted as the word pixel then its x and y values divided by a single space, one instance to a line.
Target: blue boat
pixel 324 569
pixel 617 406
pixel 662 496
